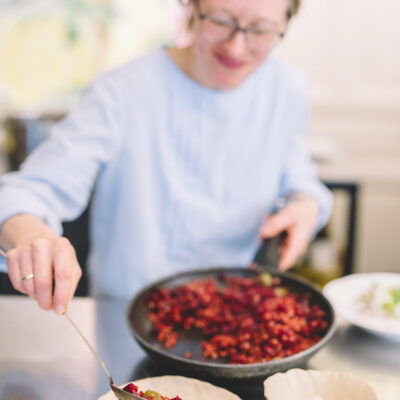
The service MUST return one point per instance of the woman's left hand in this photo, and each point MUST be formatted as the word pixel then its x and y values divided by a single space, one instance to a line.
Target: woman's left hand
pixel 298 219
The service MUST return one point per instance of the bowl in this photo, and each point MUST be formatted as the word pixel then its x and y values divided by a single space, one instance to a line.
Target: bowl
pixel 186 388
pixel 300 384
pixel 347 293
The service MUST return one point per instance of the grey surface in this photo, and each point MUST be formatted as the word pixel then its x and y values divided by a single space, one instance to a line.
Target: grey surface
pixel 38 348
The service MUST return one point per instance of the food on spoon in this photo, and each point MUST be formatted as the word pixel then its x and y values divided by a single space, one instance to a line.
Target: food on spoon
pixel 247 320
pixel 148 394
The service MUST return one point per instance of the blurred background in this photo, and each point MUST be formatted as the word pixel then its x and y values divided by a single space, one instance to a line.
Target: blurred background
pixel 51 49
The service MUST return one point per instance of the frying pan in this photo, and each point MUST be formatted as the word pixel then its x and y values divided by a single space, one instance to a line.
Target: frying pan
pixel 173 359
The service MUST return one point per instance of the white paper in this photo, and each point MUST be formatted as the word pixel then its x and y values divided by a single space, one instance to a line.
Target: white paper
pixel 298 384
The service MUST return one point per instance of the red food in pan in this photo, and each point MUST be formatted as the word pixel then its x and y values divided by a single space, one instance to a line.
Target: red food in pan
pixel 243 319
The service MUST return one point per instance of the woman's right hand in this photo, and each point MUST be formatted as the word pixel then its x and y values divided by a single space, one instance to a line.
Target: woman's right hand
pixel 34 249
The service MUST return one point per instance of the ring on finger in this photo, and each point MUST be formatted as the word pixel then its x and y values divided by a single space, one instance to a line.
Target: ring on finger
pixel 27 277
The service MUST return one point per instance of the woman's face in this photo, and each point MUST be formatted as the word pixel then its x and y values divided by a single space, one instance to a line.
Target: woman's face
pixel 221 62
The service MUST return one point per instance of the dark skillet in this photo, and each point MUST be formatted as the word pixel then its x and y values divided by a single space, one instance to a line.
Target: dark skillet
pixel 191 342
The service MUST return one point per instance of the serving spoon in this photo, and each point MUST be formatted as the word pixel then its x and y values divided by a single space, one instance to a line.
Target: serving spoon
pixel 118 392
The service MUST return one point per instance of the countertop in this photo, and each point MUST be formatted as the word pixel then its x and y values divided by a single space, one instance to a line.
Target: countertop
pixel 42 358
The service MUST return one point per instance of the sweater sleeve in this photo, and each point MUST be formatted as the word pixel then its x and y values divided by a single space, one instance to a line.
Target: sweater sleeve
pixel 300 174
pixel 55 181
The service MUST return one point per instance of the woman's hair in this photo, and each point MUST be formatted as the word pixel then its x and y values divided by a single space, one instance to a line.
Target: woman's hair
pixel 292 10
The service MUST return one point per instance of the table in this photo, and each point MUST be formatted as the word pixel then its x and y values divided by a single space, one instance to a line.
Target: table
pixel 42 358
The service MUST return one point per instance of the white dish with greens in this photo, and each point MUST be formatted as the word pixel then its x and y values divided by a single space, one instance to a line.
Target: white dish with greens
pixel 370 301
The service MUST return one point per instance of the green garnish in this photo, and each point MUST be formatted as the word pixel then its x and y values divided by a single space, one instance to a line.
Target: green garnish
pixel 390 306
pixel 266 279
pixel 154 395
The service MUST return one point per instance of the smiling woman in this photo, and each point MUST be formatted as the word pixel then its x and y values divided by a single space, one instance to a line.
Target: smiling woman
pixel 190 149
pixel 224 42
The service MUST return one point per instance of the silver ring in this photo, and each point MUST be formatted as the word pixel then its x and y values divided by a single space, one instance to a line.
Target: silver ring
pixel 26 277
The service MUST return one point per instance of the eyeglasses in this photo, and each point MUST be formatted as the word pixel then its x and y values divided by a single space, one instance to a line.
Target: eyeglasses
pixel 219 27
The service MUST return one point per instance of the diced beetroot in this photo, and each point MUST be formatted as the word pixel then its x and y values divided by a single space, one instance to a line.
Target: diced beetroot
pixel 245 322
pixel 131 388
pixel 149 394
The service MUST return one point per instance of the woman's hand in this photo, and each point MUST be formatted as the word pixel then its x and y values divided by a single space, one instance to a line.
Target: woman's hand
pixel 35 249
pixel 298 219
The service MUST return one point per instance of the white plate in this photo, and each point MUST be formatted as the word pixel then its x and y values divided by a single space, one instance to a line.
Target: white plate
pixel 344 293
pixel 186 388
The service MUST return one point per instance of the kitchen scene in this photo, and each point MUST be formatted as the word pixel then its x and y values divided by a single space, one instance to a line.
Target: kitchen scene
pixel 199 199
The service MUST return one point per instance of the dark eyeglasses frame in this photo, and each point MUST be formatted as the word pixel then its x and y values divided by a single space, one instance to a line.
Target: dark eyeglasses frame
pixel 235 28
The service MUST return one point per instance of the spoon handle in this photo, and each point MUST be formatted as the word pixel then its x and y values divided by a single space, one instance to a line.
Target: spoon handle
pixel 82 336
pixel 119 393
pixel 102 364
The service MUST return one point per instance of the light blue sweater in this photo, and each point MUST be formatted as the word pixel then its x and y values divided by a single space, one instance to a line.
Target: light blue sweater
pixel 183 175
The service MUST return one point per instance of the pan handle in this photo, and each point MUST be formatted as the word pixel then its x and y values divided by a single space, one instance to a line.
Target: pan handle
pixel 267 255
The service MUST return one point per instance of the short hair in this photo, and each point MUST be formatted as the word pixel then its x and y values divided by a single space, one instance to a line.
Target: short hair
pixel 292 10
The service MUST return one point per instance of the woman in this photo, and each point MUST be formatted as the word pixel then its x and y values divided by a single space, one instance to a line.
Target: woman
pixel 185 151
